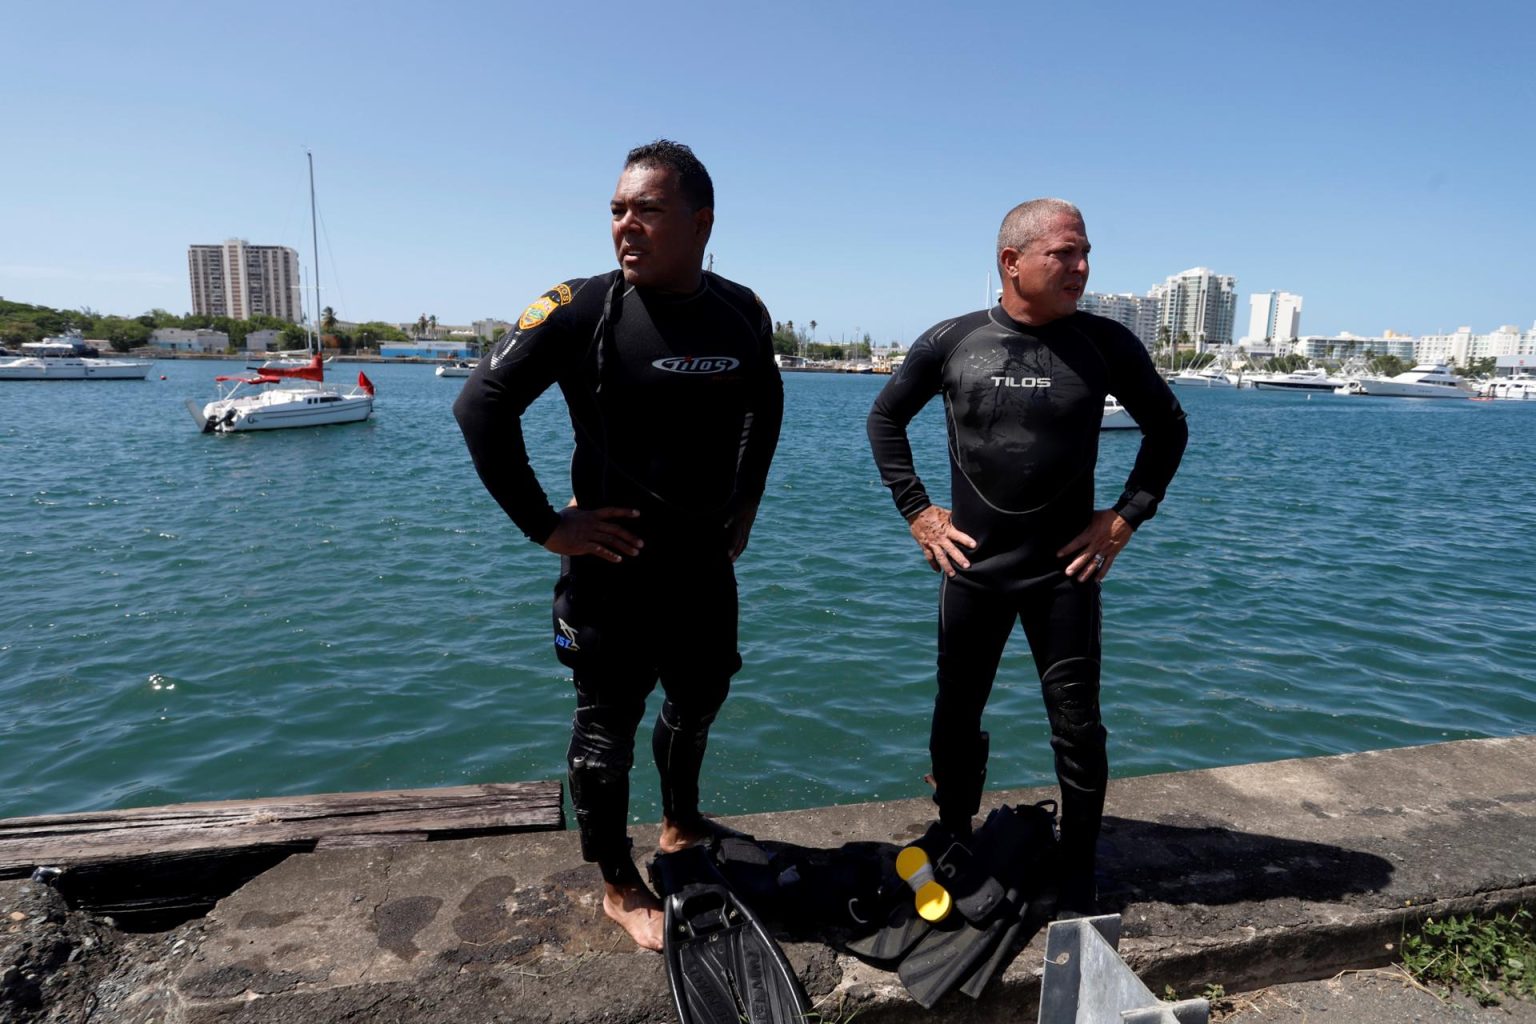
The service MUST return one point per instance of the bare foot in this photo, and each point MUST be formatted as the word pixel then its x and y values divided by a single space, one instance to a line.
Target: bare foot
pixel 676 837
pixel 637 911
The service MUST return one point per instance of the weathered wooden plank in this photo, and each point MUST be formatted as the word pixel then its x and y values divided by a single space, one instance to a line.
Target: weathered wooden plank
pixel 67 840
pixel 371 839
pixel 294 807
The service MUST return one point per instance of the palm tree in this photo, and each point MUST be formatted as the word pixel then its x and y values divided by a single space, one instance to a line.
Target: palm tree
pixel 421 325
pixel 432 323
pixel 328 320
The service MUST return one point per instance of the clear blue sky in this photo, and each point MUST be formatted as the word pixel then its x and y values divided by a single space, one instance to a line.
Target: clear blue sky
pixel 1377 158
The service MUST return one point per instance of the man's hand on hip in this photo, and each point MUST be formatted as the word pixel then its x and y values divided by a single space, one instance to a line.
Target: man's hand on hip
pixel 1093 551
pixel 594 532
pixel 738 527
pixel 939 540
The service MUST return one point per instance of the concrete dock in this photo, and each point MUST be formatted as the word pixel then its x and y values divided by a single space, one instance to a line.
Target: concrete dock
pixel 1242 877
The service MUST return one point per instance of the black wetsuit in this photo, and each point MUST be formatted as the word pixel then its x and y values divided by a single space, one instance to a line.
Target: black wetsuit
pixel 1024 406
pixel 676 404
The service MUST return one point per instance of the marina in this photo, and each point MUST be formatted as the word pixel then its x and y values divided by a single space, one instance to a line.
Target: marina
pixel 312 611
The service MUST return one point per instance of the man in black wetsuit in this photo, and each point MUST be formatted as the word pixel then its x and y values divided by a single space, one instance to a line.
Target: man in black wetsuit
pixel 1023 386
pixel 669 377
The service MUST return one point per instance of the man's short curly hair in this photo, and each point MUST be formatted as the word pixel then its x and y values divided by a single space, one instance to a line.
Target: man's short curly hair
pixel 692 178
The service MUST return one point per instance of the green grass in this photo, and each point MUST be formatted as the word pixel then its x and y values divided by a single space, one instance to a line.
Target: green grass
pixel 1486 959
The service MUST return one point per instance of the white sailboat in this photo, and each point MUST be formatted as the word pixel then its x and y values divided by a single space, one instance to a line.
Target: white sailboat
pixel 280 396
pixel 277 398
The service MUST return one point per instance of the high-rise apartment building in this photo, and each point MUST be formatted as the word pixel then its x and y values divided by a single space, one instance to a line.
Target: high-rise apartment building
pixel 240 280
pixel 1462 346
pixel 1137 312
pixel 1200 304
pixel 1274 321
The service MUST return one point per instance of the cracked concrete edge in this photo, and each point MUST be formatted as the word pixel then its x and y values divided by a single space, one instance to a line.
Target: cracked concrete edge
pixel 387 855
pixel 1355 941
pixel 1262 958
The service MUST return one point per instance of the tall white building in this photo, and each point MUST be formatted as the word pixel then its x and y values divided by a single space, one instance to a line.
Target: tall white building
pixel 240 280
pixel 1462 346
pixel 1344 346
pixel 1137 312
pixel 1199 303
pixel 1274 321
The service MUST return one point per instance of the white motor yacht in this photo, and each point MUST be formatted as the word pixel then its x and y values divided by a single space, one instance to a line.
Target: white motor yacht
pixel 1519 388
pixel 58 359
pixel 275 399
pixel 1427 380
pixel 1296 380
pixel 1209 377
pixel 457 368
pixel 1115 416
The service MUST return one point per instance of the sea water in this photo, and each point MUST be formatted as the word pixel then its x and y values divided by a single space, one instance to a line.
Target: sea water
pixel 199 617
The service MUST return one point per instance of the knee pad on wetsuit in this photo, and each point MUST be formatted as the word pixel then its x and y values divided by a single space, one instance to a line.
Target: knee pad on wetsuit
pixel 1071 691
pixel 1078 741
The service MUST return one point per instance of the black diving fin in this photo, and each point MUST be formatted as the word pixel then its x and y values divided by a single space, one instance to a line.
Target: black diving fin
pixel 1012 847
pixel 993 877
pixel 722 965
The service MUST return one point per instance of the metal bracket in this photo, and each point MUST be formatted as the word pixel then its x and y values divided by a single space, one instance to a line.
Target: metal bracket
pixel 1086 982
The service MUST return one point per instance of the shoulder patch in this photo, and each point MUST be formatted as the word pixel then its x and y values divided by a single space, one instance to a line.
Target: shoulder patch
pixel 543 306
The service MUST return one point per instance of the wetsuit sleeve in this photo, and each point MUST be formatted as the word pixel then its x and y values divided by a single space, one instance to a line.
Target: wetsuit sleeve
pixel 760 431
pixel 1164 431
pixel 520 368
pixel 902 398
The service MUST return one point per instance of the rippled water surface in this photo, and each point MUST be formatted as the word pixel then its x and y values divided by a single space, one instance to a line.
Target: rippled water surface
pixel 188 617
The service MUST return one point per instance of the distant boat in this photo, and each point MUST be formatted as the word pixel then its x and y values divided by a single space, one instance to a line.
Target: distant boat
pixel 1296 380
pixel 1115 416
pixel 1427 380
pixel 291 360
pixel 280 397
pixel 62 359
pixel 1519 388
pixel 457 368
pixel 1209 377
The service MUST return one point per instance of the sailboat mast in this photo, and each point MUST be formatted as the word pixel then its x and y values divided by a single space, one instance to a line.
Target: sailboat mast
pixel 314 241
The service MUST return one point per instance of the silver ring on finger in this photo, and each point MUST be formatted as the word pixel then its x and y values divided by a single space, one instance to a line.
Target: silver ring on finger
pixel 1098 561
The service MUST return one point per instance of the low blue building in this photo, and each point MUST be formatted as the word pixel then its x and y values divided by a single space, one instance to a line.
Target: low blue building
pixel 426 349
